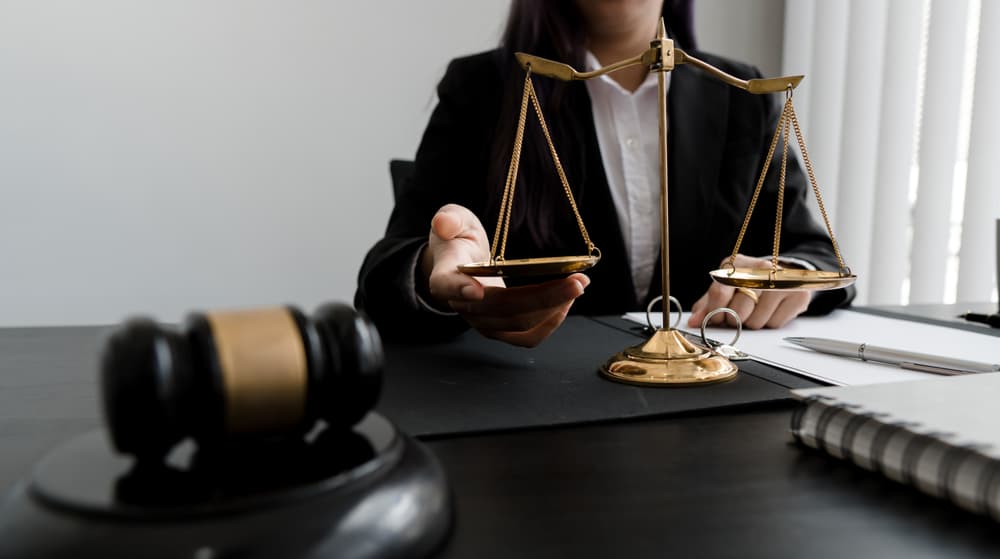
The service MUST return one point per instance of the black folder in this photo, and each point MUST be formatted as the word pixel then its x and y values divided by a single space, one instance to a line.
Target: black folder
pixel 473 384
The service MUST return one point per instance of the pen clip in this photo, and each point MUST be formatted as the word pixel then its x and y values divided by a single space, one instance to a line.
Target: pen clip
pixel 933 369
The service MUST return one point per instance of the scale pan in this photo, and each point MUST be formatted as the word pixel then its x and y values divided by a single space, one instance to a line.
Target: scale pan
pixel 782 279
pixel 523 267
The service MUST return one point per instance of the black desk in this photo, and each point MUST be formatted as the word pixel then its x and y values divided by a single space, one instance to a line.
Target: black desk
pixel 725 483
pixel 699 485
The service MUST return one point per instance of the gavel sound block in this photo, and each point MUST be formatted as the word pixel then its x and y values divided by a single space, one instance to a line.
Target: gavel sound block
pixel 240 433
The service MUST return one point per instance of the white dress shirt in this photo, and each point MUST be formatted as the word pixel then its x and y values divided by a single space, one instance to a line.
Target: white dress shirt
pixel 629 137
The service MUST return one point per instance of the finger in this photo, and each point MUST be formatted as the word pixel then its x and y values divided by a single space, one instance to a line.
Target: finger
pixel 718 295
pixel 518 309
pixel 446 225
pixel 513 301
pixel 456 238
pixel 457 222
pixel 744 306
pixel 790 307
pixel 446 283
pixel 766 306
pixel 536 335
pixel 516 323
pixel 744 261
pixel 698 311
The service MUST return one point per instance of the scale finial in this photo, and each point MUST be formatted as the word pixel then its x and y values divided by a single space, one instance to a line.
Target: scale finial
pixel 661 29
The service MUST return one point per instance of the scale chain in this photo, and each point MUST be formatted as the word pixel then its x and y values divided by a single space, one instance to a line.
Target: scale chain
pixel 760 186
pixel 775 249
pixel 786 122
pixel 559 170
pixel 507 201
pixel 815 187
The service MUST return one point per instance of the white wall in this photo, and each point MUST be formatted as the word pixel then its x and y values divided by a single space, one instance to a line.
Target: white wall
pixel 747 30
pixel 160 157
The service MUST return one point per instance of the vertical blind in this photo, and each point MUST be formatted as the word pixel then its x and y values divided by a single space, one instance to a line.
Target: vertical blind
pixel 899 111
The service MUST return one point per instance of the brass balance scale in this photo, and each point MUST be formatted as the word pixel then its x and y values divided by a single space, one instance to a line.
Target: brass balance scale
pixel 667 358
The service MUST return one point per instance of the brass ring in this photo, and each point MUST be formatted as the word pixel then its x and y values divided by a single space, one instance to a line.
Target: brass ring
pixel 749 293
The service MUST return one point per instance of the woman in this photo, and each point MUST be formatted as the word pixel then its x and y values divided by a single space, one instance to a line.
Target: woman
pixel 605 131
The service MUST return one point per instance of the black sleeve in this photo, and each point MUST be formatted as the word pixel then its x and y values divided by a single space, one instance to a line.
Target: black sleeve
pixel 450 167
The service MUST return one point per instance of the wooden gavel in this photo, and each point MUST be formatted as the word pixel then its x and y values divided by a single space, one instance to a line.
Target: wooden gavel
pixel 238 377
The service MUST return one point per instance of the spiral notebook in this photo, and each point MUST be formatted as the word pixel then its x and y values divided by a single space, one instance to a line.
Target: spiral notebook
pixel 940 435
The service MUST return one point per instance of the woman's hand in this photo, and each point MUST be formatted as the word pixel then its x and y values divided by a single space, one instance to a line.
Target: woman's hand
pixel 521 316
pixel 772 309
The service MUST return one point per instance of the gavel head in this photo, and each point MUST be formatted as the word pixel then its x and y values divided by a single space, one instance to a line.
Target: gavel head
pixel 237 376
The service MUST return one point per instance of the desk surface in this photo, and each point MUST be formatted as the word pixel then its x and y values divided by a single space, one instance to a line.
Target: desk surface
pixel 724 483
pixel 698 485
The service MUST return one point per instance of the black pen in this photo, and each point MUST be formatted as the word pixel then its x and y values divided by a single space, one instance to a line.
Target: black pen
pixel 991 319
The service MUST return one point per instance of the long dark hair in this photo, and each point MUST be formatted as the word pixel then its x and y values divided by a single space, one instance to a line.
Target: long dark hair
pixel 552 29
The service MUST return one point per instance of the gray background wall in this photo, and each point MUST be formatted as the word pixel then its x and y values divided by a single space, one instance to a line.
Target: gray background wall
pixel 158 157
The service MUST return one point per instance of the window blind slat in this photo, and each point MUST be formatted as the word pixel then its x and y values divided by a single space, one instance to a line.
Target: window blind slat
pixel 977 270
pixel 888 263
pixel 859 143
pixel 797 53
pixel 938 147
pixel 826 100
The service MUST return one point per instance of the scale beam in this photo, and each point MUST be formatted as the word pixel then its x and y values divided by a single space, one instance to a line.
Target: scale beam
pixel 651 57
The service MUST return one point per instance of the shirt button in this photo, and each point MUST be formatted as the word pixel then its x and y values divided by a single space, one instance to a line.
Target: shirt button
pixel 630 142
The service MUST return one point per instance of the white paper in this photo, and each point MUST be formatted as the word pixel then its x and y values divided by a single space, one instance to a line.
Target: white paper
pixel 768 346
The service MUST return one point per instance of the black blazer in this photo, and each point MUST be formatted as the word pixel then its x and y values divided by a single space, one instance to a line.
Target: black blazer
pixel 718 139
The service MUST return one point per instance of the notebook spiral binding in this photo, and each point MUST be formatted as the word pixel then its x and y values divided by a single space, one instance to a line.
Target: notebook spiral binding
pixel 850 430
pixel 930 461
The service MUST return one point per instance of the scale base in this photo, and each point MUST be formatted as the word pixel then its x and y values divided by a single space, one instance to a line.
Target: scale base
pixel 668 359
pixel 369 493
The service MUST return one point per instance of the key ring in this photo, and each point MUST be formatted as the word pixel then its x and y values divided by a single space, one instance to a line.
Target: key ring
pixel 727 350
